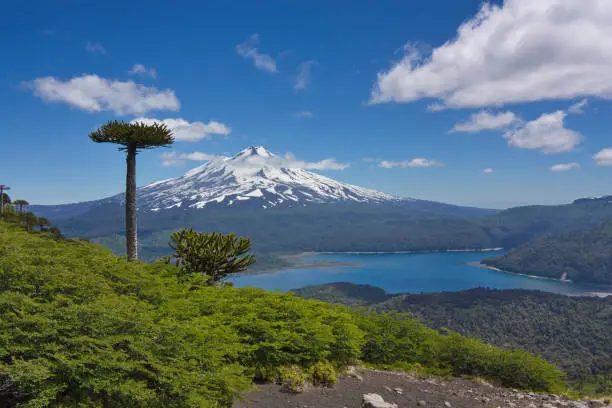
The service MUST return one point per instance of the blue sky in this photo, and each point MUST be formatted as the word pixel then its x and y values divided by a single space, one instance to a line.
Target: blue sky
pixel 375 86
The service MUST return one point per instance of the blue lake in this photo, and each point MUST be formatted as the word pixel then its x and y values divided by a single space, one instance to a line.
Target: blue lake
pixel 409 273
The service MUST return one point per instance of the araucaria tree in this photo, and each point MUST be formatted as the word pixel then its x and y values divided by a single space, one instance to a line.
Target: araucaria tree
pixel 214 255
pixel 132 137
pixel 21 204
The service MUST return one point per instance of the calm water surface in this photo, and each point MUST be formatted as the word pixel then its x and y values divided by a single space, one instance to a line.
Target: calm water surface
pixel 411 273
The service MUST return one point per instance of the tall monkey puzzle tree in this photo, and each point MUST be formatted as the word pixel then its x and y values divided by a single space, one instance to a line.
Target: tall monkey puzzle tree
pixel 132 137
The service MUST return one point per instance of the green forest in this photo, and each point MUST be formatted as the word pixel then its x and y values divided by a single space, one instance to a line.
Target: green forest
pixel 584 255
pixel 573 332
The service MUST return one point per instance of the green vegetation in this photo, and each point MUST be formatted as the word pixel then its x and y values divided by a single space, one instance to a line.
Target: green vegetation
pixel 573 332
pixel 214 255
pixel 585 256
pixel 82 327
pixel 132 137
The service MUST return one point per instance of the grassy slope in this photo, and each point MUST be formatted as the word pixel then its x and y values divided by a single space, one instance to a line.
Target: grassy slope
pixel 81 327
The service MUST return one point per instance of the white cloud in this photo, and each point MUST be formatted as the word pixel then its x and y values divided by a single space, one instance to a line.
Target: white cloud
pixel 484 120
pixel 94 94
pixel 304 114
pixel 303 76
pixel 419 162
pixel 95 48
pixel 546 133
pixel 522 51
pixel 289 161
pixel 488 171
pixel 189 131
pixel 173 158
pixel 578 108
pixel 141 69
pixel 604 157
pixel 564 167
pixel 248 50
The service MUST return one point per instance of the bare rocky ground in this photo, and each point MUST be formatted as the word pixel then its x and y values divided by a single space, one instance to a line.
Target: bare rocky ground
pixel 401 390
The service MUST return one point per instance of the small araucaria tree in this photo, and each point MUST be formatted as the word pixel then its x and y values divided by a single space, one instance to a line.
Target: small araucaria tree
pixel 214 255
pixel 21 204
pixel 132 137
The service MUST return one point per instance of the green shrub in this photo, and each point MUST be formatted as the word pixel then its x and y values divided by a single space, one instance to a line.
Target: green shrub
pixel 81 327
pixel 292 378
pixel 323 373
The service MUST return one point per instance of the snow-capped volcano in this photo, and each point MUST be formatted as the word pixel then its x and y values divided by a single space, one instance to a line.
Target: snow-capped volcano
pixel 255 176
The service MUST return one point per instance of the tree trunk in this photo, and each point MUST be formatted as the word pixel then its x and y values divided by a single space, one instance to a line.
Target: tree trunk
pixel 131 234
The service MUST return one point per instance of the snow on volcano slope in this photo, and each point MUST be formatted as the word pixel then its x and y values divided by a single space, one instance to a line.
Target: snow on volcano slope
pixel 255 175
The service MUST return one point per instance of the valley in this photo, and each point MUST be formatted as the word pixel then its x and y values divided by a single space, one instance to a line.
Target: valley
pixel 288 211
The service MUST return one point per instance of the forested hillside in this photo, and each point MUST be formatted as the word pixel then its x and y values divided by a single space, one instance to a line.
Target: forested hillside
pixel 573 332
pixel 340 227
pixel 585 256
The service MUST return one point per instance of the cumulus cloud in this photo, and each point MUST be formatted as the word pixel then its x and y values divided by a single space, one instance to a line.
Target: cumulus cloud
pixel 604 157
pixel 564 167
pixel 288 161
pixel 419 162
pixel 521 51
pixel 304 114
pixel 303 76
pixel 174 158
pixel 94 94
pixel 248 50
pixel 578 108
pixel 546 133
pixel 488 171
pixel 484 120
pixel 95 48
pixel 142 70
pixel 186 131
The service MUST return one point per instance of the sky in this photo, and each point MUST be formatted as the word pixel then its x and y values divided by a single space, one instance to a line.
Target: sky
pixel 485 104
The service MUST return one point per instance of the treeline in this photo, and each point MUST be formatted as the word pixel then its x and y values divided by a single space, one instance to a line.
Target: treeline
pixel 15 212
pixel 572 332
pixel 581 256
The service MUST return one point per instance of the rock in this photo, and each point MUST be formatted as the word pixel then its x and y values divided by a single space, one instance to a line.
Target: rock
pixel 351 371
pixel 386 387
pixel 375 401
pixel 485 399
pixel 547 405
pixel 421 403
pixel 398 390
pixel 447 404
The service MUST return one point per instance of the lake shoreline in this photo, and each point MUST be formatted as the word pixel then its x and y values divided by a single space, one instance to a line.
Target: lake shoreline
pixel 586 293
pixel 298 261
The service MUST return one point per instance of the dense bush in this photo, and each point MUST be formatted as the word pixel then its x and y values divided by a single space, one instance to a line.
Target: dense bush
pixel 81 327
